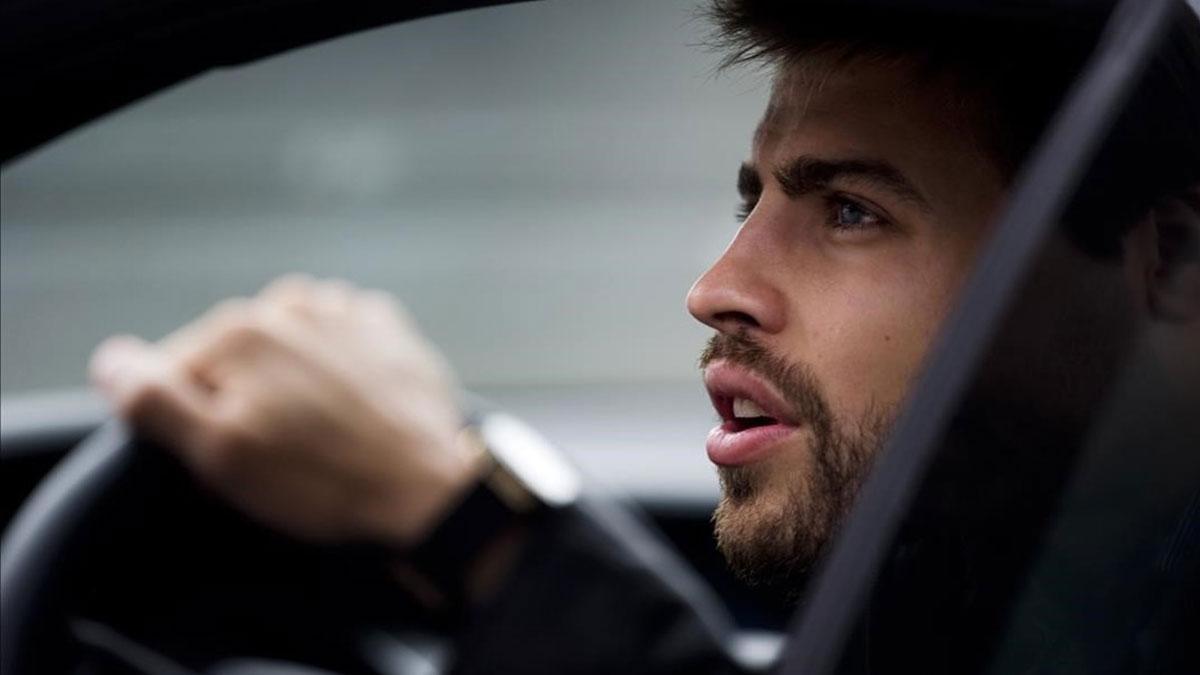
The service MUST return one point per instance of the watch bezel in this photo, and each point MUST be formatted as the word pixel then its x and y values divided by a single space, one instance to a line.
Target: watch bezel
pixel 526 457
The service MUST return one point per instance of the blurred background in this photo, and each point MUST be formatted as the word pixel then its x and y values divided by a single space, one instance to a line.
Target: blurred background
pixel 540 184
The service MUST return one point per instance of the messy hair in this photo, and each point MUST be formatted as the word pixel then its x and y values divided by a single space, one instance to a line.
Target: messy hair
pixel 1013 68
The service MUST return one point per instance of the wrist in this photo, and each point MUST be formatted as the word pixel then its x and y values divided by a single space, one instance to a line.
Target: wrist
pixel 445 484
pixel 483 576
pixel 477 541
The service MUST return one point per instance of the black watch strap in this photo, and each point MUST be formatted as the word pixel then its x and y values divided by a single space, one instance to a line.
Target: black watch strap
pixel 521 475
pixel 493 506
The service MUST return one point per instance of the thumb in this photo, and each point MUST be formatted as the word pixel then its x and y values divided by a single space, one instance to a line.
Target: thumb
pixel 147 390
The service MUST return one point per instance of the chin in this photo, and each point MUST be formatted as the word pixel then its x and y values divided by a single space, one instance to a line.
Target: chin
pixel 766 530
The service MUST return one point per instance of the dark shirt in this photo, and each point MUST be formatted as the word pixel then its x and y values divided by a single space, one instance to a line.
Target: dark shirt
pixel 596 591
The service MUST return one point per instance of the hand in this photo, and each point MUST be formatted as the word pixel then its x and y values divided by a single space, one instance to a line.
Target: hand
pixel 314 407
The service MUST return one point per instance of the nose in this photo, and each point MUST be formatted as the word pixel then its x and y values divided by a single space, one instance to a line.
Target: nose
pixel 740 292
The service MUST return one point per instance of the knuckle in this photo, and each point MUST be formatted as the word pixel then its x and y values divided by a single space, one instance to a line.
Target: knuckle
pixel 276 327
pixel 301 302
pixel 229 310
pixel 248 331
pixel 296 297
pixel 285 314
pixel 333 297
pixel 336 285
pixel 296 308
pixel 289 285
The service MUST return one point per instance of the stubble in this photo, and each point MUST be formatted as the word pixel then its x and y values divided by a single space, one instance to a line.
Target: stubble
pixel 772 528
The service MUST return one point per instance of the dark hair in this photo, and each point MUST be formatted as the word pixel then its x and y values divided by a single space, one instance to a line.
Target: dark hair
pixel 1013 67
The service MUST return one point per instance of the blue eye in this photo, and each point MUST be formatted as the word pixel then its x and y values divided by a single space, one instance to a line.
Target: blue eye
pixel 846 214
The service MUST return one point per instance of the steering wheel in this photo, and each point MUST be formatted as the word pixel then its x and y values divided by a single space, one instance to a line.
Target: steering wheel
pixel 120 561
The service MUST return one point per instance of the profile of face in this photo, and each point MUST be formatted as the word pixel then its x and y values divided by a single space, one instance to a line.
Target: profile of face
pixel 867 196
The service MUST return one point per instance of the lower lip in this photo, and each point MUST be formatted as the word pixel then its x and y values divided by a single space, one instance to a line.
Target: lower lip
pixel 730 447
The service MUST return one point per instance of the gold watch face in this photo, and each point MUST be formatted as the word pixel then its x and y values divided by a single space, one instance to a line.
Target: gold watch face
pixel 528 460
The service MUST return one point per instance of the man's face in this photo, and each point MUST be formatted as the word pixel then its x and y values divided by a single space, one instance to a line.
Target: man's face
pixel 867 199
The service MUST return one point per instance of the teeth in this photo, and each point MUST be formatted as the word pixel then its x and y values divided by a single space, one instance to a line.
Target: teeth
pixel 744 407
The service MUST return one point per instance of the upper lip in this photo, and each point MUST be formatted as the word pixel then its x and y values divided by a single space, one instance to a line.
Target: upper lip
pixel 726 381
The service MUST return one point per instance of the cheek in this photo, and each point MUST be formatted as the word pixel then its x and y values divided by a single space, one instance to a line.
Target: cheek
pixel 872 330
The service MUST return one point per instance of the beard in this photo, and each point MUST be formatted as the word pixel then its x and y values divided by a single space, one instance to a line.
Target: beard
pixel 772 528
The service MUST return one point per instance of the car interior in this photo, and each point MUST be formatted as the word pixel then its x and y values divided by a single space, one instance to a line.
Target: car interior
pixel 539 183
pixel 520 177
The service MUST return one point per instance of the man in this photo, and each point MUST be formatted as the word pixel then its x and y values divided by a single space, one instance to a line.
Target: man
pixel 873 179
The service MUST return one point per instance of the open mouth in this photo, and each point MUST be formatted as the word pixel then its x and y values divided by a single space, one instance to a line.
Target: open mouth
pixel 755 417
pixel 744 413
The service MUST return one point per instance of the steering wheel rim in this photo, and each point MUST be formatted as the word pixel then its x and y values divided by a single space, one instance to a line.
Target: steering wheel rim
pixel 110 475
pixel 117 505
pixel 49 524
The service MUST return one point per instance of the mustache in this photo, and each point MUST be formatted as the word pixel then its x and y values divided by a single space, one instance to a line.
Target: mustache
pixel 795 381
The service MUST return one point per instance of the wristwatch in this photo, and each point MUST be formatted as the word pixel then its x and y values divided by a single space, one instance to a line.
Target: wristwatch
pixel 522 475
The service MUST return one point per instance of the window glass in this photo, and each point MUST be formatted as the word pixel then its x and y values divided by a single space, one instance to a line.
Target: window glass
pixel 540 184
pixel 1058 527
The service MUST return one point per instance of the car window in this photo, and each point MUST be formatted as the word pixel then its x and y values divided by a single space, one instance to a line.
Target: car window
pixel 538 184
pixel 1054 528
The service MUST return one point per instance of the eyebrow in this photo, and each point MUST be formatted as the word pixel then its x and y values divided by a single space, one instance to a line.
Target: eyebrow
pixel 805 175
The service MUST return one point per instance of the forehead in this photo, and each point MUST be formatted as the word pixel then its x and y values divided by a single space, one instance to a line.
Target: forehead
pixel 866 97
pixel 882 108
